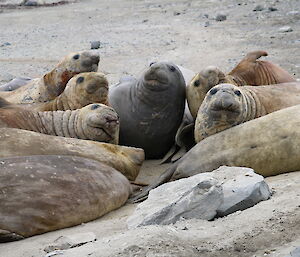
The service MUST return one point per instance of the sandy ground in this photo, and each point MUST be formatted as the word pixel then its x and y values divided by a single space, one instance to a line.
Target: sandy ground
pixel 132 34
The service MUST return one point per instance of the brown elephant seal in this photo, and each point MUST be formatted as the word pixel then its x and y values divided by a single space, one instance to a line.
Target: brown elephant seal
pixel 150 108
pixel 83 89
pixel 96 122
pixel 45 193
pixel 18 142
pixel 249 71
pixel 226 105
pixel 53 83
pixel 269 145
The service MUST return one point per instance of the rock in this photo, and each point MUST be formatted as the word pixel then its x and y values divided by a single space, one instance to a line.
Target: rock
pixel 243 191
pixel 203 196
pixel 272 9
pixel 206 24
pixel 285 29
pixel 295 252
pixel 5 44
pixel 221 17
pixel 258 8
pixel 70 241
pixel 95 44
pixel 33 2
pixel 294 13
pixel 198 197
pixel 205 15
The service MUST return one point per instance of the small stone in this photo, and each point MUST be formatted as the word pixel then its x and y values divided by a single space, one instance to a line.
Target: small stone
pixel 221 17
pixel 272 9
pixel 205 15
pixel 32 2
pixel 5 44
pixel 95 44
pixel 295 252
pixel 71 241
pixel 258 8
pixel 206 24
pixel 293 13
pixel 285 29
pixel 176 13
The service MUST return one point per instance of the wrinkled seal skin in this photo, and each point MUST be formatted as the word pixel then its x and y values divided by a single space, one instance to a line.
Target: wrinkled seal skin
pixel 96 122
pixel 45 193
pixel 18 142
pixel 53 83
pixel 249 71
pixel 270 145
pixel 226 105
pixel 81 90
pixel 150 108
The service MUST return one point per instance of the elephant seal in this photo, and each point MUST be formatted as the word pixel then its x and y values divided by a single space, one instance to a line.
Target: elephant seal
pixel 249 71
pixel 226 105
pixel 96 122
pixel 150 108
pixel 14 84
pixel 18 142
pixel 53 83
pixel 39 194
pixel 270 145
pixel 81 90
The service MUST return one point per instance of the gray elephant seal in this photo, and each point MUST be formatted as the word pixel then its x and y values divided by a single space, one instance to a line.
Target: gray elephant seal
pixel 45 193
pixel 150 108
pixel 226 105
pixel 269 145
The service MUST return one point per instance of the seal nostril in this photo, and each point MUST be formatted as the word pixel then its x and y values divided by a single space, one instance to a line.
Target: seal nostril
pixel 76 56
pixel 213 91
pixel 197 83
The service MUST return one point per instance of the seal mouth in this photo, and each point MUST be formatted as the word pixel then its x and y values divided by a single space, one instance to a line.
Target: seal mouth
pixel 99 130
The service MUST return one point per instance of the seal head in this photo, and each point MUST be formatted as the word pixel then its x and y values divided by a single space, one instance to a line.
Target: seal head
pixel 222 108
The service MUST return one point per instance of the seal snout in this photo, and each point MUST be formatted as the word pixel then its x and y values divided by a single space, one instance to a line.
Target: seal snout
pixel 224 100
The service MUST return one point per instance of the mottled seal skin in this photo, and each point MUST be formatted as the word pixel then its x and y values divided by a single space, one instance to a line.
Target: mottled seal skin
pixel 81 90
pixel 226 105
pixel 15 84
pixel 249 71
pixel 150 108
pixel 96 122
pixel 18 142
pixel 52 84
pixel 270 145
pixel 39 194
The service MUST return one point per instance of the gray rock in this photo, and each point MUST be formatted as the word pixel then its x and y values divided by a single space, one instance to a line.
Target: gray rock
pixel 243 191
pixel 198 197
pixel 203 196
pixel 33 2
pixel 294 13
pixel 206 24
pixel 95 44
pixel 15 83
pixel 258 8
pixel 70 241
pixel 285 29
pixel 221 17
pixel 272 9
pixel 295 252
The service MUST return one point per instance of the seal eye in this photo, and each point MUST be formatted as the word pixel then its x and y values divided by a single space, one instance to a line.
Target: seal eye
pixel 172 68
pixel 95 106
pixel 213 91
pixel 80 80
pixel 237 92
pixel 197 83
pixel 76 56
pixel 151 63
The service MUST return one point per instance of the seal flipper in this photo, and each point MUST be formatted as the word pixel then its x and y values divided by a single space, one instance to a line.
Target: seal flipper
pixel 7 236
pixel 170 154
pixel 163 178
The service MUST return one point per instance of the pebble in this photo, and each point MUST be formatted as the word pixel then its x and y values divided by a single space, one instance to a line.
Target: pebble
pixel 33 2
pixel 285 29
pixel 258 8
pixel 272 9
pixel 95 44
pixel 5 44
pixel 206 24
pixel 221 17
